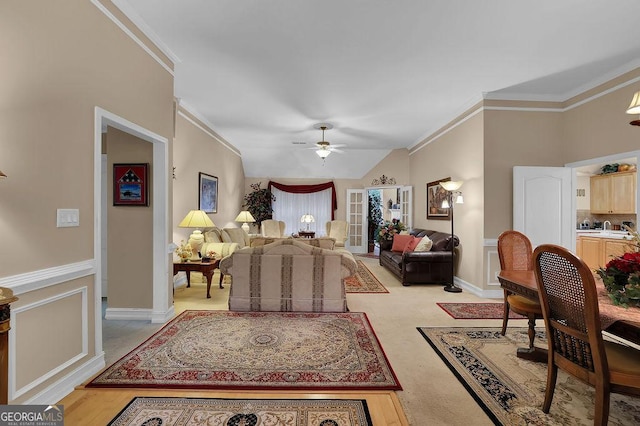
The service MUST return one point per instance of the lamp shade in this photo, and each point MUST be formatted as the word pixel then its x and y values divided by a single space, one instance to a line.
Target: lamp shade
pixel 451 185
pixel 196 219
pixel 307 218
pixel 245 216
pixel 634 107
pixel 323 153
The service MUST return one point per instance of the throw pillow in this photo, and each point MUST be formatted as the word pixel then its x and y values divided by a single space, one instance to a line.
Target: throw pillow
pixel 400 242
pixel 425 244
pixel 412 244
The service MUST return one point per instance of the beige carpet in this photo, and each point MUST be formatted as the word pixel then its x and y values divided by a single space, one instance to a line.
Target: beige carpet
pixel 243 412
pixel 511 390
pixel 431 395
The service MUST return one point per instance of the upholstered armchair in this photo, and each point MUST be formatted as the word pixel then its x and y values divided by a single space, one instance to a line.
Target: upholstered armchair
pixel 338 229
pixel 272 228
pixel 235 235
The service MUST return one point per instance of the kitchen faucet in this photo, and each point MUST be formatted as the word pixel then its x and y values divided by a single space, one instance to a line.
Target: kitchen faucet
pixel 604 225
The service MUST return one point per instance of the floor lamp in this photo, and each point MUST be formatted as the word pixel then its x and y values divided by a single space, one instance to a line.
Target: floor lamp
pixel 452 191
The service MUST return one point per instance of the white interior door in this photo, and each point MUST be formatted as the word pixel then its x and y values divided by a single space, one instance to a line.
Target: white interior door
pixel 357 218
pixel 542 205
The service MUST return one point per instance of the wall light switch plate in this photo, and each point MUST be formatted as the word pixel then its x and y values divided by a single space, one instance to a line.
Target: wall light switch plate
pixel 68 217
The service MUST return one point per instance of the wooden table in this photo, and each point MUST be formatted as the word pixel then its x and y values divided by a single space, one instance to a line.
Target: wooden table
pixel 206 268
pixel 306 234
pixel 616 320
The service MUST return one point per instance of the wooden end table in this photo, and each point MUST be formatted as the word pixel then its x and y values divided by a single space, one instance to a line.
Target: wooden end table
pixel 306 234
pixel 206 268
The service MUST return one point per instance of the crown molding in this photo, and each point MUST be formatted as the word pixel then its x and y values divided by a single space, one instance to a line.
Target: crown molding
pixel 131 35
pixel 191 115
pixel 142 25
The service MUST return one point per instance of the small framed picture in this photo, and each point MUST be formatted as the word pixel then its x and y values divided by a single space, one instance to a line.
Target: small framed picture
pixel 131 184
pixel 207 193
pixel 436 194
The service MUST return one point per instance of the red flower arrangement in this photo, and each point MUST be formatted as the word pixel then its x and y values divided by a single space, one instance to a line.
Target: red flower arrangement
pixel 621 277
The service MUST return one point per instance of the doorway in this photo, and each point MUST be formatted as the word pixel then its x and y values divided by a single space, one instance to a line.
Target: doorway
pixel 162 310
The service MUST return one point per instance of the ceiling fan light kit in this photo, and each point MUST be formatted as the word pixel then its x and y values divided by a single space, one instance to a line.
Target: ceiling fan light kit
pixel 323 146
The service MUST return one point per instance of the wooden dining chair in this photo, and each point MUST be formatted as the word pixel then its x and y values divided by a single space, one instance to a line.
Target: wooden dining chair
pixel 516 254
pixel 569 302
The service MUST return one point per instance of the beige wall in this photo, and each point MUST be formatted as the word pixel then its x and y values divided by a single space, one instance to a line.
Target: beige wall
pixel 515 138
pixel 60 61
pixel 129 271
pixel 601 127
pixel 196 150
pixel 456 154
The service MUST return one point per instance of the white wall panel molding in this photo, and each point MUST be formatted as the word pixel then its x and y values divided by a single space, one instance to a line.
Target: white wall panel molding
pixel 35 280
pixel 16 326
pixel 63 387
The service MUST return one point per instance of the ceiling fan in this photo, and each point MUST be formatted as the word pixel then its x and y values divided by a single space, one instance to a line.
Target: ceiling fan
pixel 324 147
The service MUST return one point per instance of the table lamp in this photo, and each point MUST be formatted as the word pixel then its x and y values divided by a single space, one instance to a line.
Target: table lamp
pixel 245 217
pixel 196 219
pixel 307 218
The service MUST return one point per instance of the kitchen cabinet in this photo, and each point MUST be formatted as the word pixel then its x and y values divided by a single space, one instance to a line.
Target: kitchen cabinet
pixel 597 251
pixel 591 249
pixel 613 193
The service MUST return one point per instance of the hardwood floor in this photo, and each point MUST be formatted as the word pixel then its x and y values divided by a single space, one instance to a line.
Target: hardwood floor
pixel 88 406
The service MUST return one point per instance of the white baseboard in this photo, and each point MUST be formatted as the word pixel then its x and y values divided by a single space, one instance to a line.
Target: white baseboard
pixel 63 387
pixel 128 314
pixel 486 294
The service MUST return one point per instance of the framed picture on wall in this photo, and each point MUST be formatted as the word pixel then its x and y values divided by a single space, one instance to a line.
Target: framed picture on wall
pixel 207 193
pixel 435 196
pixel 131 184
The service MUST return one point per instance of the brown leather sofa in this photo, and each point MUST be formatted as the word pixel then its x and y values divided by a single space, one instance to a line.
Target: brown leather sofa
pixel 426 267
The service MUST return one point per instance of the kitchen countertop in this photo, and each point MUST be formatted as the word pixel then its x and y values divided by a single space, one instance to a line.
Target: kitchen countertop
pixel 599 233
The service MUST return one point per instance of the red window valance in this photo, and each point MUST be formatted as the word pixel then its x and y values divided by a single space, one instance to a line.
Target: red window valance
pixel 308 189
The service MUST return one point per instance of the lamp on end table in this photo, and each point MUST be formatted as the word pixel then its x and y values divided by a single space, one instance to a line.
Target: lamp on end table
pixel 196 219
pixel 245 217
pixel 307 218
pixel 453 195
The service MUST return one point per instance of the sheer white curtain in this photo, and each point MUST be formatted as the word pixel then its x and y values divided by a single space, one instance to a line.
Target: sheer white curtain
pixel 290 207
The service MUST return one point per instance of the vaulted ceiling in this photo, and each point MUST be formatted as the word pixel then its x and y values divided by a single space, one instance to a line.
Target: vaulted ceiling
pixel 385 74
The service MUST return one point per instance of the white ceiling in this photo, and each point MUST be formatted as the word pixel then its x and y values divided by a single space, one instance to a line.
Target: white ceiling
pixel 385 74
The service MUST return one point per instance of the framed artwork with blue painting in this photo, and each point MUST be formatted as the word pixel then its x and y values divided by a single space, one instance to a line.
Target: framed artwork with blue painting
pixel 207 193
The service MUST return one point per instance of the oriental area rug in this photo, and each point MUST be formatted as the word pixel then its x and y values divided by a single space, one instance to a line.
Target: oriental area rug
pixel 257 350
pixel 477 310
pixel 364 281
pixel 511 390
pixel 247 412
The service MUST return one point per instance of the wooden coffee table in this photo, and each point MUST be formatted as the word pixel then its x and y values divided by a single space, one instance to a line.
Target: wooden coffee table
pixel 206 268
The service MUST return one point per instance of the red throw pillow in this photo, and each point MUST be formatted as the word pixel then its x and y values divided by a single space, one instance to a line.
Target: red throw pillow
pixel 400 242
pixel 413 243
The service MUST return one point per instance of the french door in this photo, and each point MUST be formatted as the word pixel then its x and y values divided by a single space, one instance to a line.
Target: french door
pixel 357 212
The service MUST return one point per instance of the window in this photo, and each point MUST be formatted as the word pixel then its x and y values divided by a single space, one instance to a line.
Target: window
pixel 289 207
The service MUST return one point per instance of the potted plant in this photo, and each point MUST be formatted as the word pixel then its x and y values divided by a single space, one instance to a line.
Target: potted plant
pixel 386 231
pixel 258 203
